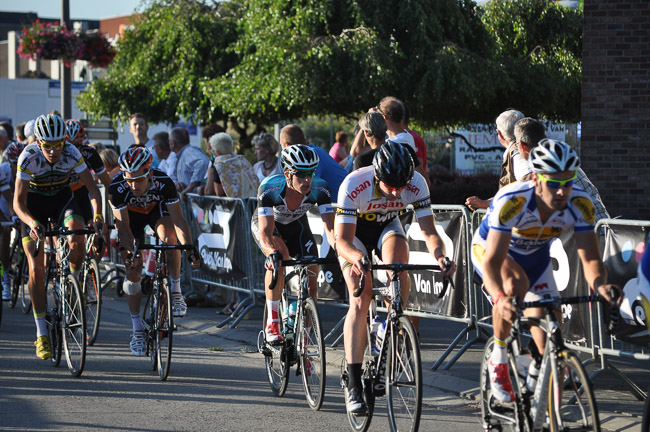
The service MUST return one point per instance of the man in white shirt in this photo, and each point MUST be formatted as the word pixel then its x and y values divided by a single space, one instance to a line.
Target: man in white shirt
pixel 164 153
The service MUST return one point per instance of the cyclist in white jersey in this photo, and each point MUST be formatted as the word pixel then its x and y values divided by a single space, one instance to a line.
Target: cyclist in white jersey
pixel 511 248
pixel 42 193
pixel 370 200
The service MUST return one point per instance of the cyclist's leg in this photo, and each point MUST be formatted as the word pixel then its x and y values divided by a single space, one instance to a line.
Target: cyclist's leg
pixel 166 232
pixel 72 218
pixel 36 288
pixel 393 248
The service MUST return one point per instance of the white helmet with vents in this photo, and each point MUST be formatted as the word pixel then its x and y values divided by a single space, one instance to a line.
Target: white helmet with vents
pixel 551 156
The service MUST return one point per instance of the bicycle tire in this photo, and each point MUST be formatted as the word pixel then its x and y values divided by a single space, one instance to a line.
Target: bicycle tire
pixel 164 328
pixel 645 426
pixel 276 360
pixel 15 256
pixel 25 298
pixel 53 319
pixel 73 326
pixel 494 415
pixel 580 415
pixel 147 318
pixel 312 358
pixel 93 298
pixel 404 378
pixel 361 422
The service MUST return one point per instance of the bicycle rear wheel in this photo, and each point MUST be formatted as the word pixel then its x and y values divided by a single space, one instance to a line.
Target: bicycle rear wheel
pixel 73 323
pixel 276 359
pixel 25 299
pixel 572 406
pixel 404 378
pixel 93 298
pixel 312 358
pixel 163 328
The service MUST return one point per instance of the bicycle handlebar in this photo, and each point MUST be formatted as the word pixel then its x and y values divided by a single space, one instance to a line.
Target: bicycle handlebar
pixel 398 268
pixel 304 261
pixel 553 302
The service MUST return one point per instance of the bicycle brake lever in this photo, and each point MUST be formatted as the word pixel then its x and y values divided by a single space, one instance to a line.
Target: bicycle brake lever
pixel 365 265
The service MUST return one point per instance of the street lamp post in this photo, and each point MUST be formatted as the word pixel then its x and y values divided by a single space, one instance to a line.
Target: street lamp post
pixel 66 109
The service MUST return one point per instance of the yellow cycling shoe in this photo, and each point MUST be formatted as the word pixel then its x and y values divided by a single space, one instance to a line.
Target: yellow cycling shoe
pixel 43 348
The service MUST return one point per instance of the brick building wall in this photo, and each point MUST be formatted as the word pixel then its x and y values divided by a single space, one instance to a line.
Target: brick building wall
pixel 616 104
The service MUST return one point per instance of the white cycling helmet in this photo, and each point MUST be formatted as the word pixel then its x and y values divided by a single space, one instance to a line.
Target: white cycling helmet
pixel 50 127
pixel 299 157
pixel 551 156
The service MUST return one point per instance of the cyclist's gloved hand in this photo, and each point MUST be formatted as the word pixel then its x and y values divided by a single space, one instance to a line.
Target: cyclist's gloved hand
pixel 194 258
pixel 271 260
pixel 615 298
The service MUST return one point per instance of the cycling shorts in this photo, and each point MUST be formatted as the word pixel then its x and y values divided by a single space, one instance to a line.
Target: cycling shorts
pixel 370 237
pixel 537 266
pixel 59 209
pixel 296 235
pixel 139 221
pixel 83 202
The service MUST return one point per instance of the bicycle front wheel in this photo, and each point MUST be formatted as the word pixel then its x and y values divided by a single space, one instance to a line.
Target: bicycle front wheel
pixel 73 323
pixel 276 359
pixel 92 298
pixel 53 318
pixel 645 427
pixel 404 380
pixel 312 358
pixel 572 406
pixel 163 328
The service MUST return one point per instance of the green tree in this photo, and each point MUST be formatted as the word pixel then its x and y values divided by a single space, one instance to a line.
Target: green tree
pixel 163 61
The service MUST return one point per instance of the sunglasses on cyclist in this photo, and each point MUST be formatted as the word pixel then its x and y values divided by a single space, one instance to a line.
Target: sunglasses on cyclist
pixel 304 173
pixel 393 189
pixel 51 145
pixel 556 184
pixel 137 179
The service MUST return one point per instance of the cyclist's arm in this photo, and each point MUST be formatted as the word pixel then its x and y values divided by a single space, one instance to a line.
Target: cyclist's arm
pixel 20 202
pixel 266 224
pixel 121 218
pixel 105 179
pixel 180 224
pixel 9 197
pixel 93 191
pixel 328 220
pixel 593 267
pixel 496 251
pixel 359 145
pixel 345 233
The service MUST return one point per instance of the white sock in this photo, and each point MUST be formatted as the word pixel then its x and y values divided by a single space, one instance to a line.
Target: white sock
pixel 274 307
pixel 41 326
pixel 499 355
pixel 176 286
pixel 137 323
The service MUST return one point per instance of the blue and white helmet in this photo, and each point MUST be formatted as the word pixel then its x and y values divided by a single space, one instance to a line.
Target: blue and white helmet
pixel 551 156
pixel 299 157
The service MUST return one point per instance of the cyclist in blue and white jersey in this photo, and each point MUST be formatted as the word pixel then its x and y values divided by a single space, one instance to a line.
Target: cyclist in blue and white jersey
pixel 511 248
pixel 370 200
pixel 43 192
pixel 280 225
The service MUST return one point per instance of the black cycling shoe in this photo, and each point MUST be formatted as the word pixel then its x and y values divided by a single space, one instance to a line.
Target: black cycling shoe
pixel 355 403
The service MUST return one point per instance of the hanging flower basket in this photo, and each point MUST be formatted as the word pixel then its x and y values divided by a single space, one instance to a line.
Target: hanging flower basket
pixel 51 41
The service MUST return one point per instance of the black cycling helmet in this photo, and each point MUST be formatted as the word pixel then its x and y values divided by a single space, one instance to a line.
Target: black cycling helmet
pixel 393 164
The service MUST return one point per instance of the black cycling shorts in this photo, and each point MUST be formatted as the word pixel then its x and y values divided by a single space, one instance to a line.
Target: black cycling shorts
pixel 138 221
pixel 58 209
pixel 83 202
pixel 296 235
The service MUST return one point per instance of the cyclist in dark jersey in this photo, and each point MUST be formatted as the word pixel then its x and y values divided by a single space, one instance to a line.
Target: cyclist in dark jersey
pixel 42 193
pixel 141 196
pixel 280 224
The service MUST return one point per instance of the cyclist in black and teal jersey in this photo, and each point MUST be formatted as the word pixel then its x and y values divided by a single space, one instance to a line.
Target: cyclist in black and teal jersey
pixel 280 225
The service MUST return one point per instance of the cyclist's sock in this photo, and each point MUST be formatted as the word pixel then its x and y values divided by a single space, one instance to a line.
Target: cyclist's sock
pixel 137 323
pixel 499 355
pixel 274 307
pixel 176 286
pixel 41 326
pixel 354 375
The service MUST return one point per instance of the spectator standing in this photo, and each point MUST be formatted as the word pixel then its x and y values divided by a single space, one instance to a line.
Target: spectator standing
pixel 328 169
pixel 513 163
pixel 339 150
pixel 230 175
pixel 139 128
pixel 191 164
pixel 373 127
pixel 207 132
pixel 110 159
pixel 5 140
pixel 420 145
pixel 29 132
pixel 20 132
pixel 266 150
pixel 167 157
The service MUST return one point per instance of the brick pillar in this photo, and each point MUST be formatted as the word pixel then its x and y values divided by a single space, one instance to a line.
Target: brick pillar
pixel 616 104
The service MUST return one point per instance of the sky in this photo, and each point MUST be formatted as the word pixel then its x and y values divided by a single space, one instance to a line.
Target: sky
pixel 86 9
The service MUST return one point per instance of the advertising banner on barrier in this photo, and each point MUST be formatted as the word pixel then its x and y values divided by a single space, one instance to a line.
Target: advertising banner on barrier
pixel 215 221
pixel 427 288
pixel 330 278
pixel 624 247
pixel 568 279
